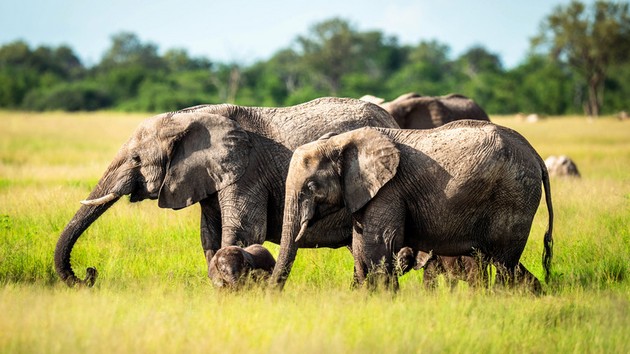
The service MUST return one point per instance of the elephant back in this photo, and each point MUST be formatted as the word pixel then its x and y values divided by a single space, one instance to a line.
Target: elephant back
pixel 297 125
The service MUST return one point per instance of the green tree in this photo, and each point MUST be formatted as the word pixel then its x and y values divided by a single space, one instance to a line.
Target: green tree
pixel 590 40
pixel 617 88
pixel 128 50
pixel 427 70
pixel 542 85
pixel 178 60
pixel 479 75
pixel 126 65
pixel 23 70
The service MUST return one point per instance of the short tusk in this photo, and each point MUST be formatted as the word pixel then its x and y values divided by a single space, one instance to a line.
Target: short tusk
pixel 101 200
pixel 302 230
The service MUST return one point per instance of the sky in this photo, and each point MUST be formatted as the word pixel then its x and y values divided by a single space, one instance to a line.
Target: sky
pixel 246 31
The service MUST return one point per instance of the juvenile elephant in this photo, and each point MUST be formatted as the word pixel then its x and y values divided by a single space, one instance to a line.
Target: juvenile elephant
pixel 472 269
pixel 233 160
pixel 413 111
pixel 469 186
pixel 232 266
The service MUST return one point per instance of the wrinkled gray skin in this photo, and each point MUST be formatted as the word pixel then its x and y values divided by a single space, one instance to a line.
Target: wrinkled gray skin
pixel 467 186
pixel 232 160
pixel 412 111
pixel 471 269
pixel 232 266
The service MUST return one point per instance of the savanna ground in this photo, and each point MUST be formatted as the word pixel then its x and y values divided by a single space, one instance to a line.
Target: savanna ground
pixel 152 294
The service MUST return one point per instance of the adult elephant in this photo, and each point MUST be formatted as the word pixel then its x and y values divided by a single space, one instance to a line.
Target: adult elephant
pixel 233 160
pixel 413 111
pixel 466 187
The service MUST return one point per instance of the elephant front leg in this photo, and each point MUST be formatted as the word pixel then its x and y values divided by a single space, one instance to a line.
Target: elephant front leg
pixel 243 216
pixel 210 227
pixel 374 250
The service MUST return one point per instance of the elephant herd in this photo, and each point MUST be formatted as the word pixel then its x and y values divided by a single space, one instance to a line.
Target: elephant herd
pixel 418 182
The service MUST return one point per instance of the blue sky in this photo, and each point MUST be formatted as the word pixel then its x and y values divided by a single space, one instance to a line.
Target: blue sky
pixel 245 31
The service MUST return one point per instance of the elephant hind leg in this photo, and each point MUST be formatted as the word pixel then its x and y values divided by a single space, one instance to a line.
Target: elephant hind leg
pixel 517 276
pixel 528 280
pixel 476 270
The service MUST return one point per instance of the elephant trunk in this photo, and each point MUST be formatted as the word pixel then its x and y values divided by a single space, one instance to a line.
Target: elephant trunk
pixel 101 198
pixel 84 217
pixel 291 226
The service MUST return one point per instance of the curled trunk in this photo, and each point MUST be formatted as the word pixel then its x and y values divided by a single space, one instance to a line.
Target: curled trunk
pixel 84 217
pixel 101 198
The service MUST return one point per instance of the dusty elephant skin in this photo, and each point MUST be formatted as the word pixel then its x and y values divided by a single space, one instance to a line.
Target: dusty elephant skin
pixel 413 111
pixel 233 160
pixel 464 187
pixel 232 266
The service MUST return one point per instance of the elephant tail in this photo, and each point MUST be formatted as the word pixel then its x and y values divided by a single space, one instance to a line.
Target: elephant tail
pixel 548 240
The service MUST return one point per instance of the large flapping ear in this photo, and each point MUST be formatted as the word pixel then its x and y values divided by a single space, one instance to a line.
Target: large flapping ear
pixel 209 153
pixel 369 159
pixel 422 258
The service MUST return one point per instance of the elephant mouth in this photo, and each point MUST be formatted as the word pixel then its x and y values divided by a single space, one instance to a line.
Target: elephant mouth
pixel 324 211
pixel 137 197
pixel 141 192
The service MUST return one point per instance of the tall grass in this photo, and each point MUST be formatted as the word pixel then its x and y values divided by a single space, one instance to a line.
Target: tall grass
pixel 152 294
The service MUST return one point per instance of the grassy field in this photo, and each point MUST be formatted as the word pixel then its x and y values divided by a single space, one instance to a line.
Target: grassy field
pixel 152 294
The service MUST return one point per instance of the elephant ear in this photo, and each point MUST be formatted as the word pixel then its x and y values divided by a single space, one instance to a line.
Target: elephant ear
pixel 369 160
pixel 209 153
pixel 422 258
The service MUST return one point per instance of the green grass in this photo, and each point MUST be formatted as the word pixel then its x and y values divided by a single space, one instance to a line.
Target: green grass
pixel 152 294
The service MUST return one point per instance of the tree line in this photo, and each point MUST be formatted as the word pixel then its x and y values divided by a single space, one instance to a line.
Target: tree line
pixel 578 63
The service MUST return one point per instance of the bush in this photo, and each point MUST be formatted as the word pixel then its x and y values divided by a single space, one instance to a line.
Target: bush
pixel 70 97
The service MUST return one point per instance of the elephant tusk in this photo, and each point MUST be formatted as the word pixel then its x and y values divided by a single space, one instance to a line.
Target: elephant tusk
pixel 101 200
pixel 302 230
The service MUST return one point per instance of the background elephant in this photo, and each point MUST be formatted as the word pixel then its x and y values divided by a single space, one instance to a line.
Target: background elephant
pixel 233 160
pixel 469 186
pixel 413 111
pixel 561 166
pixel 232 266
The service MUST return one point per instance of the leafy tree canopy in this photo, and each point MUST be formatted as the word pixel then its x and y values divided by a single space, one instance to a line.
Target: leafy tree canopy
pixel 579 53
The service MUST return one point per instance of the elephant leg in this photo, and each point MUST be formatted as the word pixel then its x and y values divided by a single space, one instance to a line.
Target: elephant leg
pixel 360 268
pixel 243 215
pixel 475 270
pixel 374 250
pixel 210 227
pixel 432 270
pixel 525 278
pixel 452 269
pixel 505 275
pixel 517 276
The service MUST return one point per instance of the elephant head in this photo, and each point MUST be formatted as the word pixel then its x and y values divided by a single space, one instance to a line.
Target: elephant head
pixel 326 175
pixel 232 266
pixel 413 111
pixel 229 265
pixel 407 259
pixel 176 158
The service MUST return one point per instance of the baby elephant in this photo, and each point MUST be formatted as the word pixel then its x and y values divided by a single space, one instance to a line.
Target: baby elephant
pixel 232 266
pixel 467 268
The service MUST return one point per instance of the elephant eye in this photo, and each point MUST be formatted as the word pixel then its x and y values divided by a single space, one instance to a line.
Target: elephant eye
pixel 135 159
pixel 312 186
